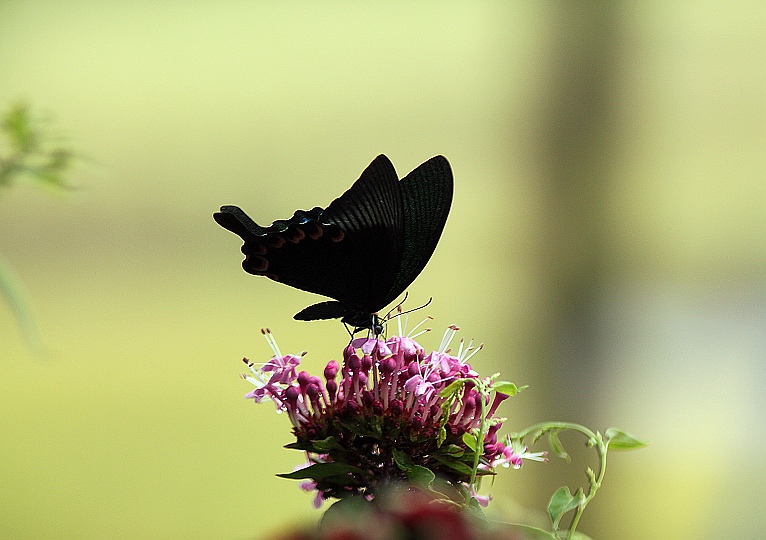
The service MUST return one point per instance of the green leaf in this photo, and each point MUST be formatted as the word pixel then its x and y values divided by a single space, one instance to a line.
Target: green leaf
pixel 325 445
pixel 562 502
pixel 29 151
pixel 322 446
pixel 18 125
pixel 475 509
pixel 452 450
pixel 446 407
pixel 470 441
pixel 376 424
pixel 403 461
pixel 455 465
pixel 361 428
pixel 317 471
pixel 620 440
pixel 420 476
pixel 303 446
pixel 348 510
pixel 556 447
pixel 507 388
pixel 448 491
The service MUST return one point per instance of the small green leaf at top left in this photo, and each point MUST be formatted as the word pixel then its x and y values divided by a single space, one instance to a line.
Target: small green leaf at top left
pixel 621 440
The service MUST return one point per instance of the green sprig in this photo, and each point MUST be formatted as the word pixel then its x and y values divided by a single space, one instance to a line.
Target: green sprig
pixel 563 501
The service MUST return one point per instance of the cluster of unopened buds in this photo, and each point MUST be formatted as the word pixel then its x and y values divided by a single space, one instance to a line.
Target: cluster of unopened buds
pixel 391 414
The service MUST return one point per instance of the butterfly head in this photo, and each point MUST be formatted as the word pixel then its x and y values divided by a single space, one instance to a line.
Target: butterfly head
pixel 360 320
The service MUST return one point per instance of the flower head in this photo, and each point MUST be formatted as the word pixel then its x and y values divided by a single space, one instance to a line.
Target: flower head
pixel 389 413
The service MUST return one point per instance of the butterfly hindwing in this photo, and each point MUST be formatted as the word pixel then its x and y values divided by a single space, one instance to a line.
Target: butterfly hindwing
pixel 350 251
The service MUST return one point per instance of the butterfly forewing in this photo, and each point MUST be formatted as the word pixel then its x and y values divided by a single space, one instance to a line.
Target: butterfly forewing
pixel 426 197
pixel 370 213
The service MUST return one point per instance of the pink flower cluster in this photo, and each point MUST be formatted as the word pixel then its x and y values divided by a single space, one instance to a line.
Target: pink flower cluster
pixel 389 396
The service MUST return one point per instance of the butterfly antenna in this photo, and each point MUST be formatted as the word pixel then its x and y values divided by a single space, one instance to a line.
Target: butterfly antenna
pixel 417 308
pixel 403 330
pixel 397 307
pixel 380 324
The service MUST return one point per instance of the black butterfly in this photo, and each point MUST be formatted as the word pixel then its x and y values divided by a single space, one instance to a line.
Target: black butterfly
pixel 363 250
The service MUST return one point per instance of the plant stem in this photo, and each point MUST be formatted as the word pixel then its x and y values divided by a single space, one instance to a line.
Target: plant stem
pixel 480 437
pixel 594 439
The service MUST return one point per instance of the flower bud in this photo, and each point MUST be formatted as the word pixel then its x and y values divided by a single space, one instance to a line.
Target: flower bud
pixel 366 363
pixel 397 407
pixel 332 389
pixel 331 370
pixel 291 395
pixel 413 369
pixel 388 365
pixel 354 363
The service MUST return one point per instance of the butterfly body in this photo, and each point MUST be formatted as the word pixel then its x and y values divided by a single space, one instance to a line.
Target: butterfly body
pixel 363 250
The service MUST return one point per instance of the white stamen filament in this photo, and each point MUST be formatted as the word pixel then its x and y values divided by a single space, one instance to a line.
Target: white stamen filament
pixel 271 341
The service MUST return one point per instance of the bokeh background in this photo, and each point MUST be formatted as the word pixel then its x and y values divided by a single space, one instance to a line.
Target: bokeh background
pixel 607 242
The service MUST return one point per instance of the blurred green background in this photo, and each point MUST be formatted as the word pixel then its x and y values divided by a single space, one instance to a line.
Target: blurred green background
pixel 607 242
